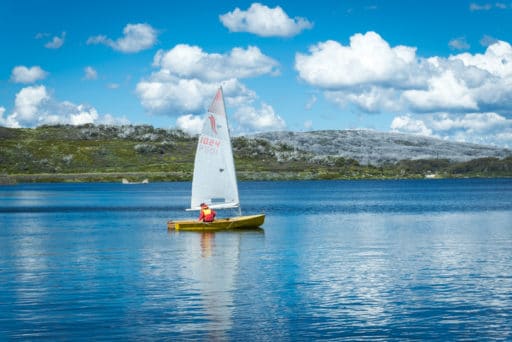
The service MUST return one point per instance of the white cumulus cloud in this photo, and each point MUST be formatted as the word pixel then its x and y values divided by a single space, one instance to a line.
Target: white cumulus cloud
pixel 192 124
pixel 371 99
pixel 444 92
pixel 174 95
pixel 187 78
pixel 251 119
pixel 497 59
pixel 264 21
pixel 480 128
pixel 22 74
pixel 369 72
pixel 27 103
pixel 471 122
pixel 137 37
pixel 191 62
pixel 34 106
pixel 367 60
pixel 409 125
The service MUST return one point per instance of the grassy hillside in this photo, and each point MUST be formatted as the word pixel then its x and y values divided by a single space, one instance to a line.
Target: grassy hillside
pixel 110 153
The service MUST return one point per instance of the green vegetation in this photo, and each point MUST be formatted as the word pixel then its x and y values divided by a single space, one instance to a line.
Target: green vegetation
pixel 66 153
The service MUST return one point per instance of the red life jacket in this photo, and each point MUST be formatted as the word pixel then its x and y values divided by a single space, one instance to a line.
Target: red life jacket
pixel 208 215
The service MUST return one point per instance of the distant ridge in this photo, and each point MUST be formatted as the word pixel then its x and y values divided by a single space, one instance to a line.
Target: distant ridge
pixel 85 153
pixel 377 148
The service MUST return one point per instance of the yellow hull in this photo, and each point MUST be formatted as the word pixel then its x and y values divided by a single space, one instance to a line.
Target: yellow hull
pixel 238 222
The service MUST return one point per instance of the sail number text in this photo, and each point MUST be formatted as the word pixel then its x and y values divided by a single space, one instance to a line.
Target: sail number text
pixel 209 144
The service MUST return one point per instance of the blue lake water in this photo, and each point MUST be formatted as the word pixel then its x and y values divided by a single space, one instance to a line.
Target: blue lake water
pixel 374 260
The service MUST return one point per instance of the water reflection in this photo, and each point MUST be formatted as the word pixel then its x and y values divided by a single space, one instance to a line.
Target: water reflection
pixel 207 241
pixel 211 262
pixel 31 269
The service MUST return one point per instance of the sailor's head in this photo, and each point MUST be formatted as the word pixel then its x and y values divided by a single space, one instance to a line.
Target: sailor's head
pixel 204 205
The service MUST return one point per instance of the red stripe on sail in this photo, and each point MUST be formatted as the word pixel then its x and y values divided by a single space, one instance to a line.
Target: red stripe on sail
pixel 213 124
pixel 216 102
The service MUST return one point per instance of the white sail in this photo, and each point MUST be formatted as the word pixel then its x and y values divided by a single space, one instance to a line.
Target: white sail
pixel 214 181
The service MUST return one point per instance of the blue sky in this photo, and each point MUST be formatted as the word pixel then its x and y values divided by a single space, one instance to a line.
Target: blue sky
pixel 435 68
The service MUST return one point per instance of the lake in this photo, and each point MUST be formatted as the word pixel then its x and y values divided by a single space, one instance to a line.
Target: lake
pixel 365 260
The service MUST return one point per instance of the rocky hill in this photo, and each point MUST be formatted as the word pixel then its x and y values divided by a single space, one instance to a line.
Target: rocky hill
pixel 110 153
pixel 377 148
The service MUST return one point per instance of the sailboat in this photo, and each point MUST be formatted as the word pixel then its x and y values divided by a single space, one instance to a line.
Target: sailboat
pixel 214 181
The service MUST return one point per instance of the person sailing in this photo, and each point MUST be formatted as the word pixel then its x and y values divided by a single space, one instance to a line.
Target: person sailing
pixel 206 214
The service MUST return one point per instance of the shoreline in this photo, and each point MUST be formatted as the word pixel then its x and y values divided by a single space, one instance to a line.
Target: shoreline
pixel 155 177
